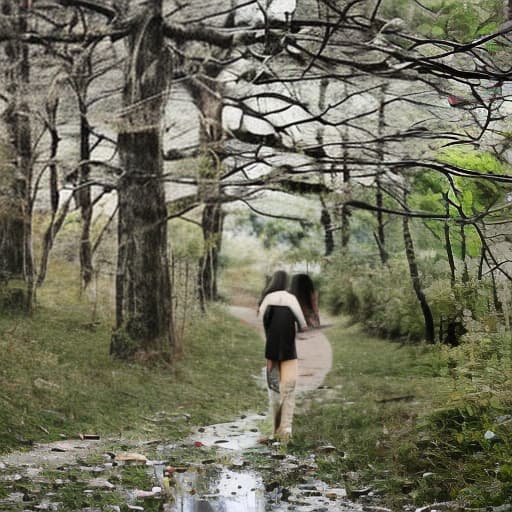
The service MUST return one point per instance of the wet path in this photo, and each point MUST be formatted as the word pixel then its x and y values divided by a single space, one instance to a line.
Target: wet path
pixel 313 350
pixel 218 468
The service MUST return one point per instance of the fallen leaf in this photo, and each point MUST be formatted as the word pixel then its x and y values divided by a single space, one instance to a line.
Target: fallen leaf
pixel 88 436
pixel 130 457
pixel 100 483
pixel 175 469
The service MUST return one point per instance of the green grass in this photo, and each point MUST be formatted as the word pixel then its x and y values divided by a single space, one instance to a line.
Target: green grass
pixel 423 448
pixel 56 377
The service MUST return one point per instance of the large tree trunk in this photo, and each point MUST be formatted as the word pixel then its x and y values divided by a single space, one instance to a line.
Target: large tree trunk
pixel 11 221
pixel 144 320
pixel 16 226
pixel 13 183
pixel 416 282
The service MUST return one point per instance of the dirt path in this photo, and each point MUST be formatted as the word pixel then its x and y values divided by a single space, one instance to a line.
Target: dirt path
pixel 313 349
pixel 218 467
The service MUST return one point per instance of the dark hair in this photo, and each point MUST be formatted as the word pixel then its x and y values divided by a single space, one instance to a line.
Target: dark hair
pixel 302 287
pixel 278 281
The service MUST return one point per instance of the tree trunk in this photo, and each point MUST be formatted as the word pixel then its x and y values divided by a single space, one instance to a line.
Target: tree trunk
pixel 380 237
pixel 11 219
pixel 448 242
pixel 463 255
pixel 207 93
pixel 212 222
pixel 416 282
pixel 55 223
pixel 11 227
pixel 345 212
pixel 16 227
pixel 144 320
pixel 379 197
pixel 325 220
pixel 498 306
pixel 325 217
pixel 84 193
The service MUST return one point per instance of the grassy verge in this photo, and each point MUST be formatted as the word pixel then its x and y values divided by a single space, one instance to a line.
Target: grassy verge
pixel 394 416
pixel 56 378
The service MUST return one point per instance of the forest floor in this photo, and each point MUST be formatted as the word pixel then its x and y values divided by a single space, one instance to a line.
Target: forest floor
pixel 187 436
pixel 218 466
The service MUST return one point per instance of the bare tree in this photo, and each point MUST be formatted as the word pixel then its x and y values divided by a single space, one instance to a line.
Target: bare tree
pixel 143 287
pixel 16 227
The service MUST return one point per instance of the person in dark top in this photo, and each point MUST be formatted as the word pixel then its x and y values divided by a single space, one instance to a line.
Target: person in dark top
pixel 302 287
pixel 282 317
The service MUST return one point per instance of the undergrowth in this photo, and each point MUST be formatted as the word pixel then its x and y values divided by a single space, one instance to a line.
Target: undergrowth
pixel 58 380
pixel 411 423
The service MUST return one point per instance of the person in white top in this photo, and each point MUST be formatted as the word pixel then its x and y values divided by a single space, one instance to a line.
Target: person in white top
pixel 282 318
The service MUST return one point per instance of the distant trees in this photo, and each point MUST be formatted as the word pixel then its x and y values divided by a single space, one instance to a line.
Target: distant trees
pixel 255 72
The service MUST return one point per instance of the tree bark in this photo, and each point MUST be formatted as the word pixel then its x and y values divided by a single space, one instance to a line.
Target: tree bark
pixel 144 320
pixel 16 227
pixel 463 255
pixel 55 224
pixel 379 197
pixel 416 282
pixel 326 221
pixel 212 223
pixel 207 93
pixel 11 224
pixel 84 192
pixel 448 242
pixel 345 212
pixel 325 217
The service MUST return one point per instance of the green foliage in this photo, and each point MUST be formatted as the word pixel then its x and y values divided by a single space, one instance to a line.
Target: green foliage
pixel 419 424
pixel 381 297
pixel 466 198
pixel 187 240
pixel 13 296
pixel 376 392
pixel 75 385
pixel 275 232
pixel 448 19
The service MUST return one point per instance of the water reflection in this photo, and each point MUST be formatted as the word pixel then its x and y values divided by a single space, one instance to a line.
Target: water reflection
pixel 218 490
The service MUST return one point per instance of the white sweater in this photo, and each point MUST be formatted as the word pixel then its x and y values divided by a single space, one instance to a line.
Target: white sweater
pixel 283 298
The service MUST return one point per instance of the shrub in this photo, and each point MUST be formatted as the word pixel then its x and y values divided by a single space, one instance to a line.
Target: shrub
pixel 378 296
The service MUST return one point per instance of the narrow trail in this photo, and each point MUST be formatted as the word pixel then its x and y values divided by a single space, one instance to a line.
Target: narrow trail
pixel 218 467
pixel 313 350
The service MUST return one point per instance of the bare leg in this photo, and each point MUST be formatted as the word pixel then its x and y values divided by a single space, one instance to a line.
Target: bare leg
pixel 288 380
pixel 273 375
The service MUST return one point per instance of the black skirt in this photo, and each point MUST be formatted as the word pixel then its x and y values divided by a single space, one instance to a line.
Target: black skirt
pixel 280 328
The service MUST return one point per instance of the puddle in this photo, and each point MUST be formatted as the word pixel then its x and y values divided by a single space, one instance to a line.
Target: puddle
pixel 236 474
pixel 237 435
pixel 217 490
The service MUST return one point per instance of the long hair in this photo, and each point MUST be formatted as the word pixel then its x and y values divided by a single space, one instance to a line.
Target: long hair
pixel 302 287
pixel 278 281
